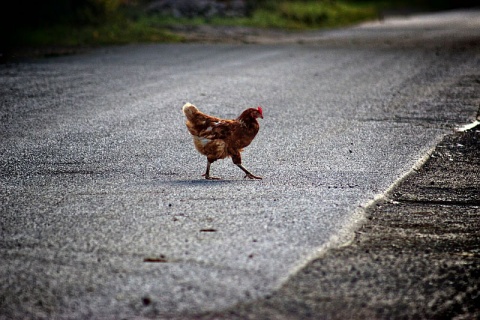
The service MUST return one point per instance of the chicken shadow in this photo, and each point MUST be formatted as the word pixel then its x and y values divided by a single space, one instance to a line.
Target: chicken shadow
pixel 200 182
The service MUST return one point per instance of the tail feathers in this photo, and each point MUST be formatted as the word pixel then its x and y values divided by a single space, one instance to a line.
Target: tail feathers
pixel 190 110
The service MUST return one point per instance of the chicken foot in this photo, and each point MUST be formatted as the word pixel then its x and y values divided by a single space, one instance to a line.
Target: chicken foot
pixel 248 174
pixel 207 173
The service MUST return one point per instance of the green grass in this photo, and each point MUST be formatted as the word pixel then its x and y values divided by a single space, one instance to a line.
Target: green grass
pixel 129 24
pixel 293 15
pixel 321 14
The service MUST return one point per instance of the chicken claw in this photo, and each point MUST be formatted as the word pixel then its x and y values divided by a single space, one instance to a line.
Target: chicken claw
pixel 207 173
pixel 251 176
pixel 210 177
pixel 247 173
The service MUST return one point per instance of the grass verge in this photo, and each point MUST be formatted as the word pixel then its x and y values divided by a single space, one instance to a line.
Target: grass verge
pixel 129 23
pixel 292 15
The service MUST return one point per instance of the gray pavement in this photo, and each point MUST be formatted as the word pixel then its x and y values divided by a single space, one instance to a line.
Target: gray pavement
pixel 415 257
pixel 104 213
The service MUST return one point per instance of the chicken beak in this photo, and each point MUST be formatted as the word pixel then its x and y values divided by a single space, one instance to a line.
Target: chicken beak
pixel 260 112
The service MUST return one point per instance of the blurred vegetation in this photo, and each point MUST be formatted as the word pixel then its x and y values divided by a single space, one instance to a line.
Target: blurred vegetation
pixel 75 23
pixel 99 22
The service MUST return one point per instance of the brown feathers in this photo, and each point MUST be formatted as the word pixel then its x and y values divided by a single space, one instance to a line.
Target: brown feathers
pixel 220 138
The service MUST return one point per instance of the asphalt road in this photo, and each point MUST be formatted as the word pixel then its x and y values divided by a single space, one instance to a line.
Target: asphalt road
pixel 103 209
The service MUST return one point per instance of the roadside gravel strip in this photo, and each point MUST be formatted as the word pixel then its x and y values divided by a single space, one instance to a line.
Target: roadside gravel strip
pixel 416 257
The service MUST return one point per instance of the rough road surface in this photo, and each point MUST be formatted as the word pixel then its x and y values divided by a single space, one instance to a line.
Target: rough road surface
pixel 104 213
pixel 417 256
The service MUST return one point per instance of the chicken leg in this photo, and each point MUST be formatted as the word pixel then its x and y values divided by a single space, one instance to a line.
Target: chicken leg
pixel 237 159
pixel 248 174
pixel 207 173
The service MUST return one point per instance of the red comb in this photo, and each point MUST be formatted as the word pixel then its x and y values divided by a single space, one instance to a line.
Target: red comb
pixel 260 110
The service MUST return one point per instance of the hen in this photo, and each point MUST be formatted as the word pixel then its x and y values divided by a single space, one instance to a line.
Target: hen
pixel 219 138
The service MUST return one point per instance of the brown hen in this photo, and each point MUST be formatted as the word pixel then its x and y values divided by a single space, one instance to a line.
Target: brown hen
pixel 219 138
